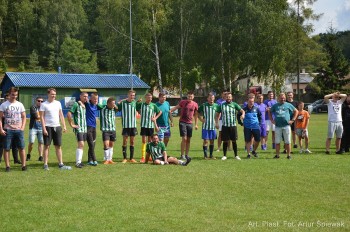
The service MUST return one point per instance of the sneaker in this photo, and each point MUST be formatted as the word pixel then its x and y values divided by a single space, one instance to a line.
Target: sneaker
pixel 46 167
pixel 339 152
pixel 265 147
pixel 237 157
pixel 307 151
pixel 301 151
pixel 284 151
pixel 183 157
pixel 212 157
pixel 142 160
pixel 111 162
pixel 224 158
pixel 295 146
pixel 249 156
pixel 24 168
pixel 79 165
pixel 289 157
pixel 327 153
pixel 188 160
pixel 91 163
pixel 132 161
pixel 106 162
pixel 255 154
pixel 95 163
pixel 218 150
pixel 7 169
pixel 40 158
pixel 28 157
pixel 276 157
pixel 124 161
pixel 63 167
pixel 17 162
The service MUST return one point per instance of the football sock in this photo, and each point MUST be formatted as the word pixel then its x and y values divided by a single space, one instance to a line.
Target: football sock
pixel 211 149
pixel 78 155
pixel 131 152
pixel 106 154
pixel 124 152
pixel 234 147
pixel 143 150
pixel 110 153
pixel 205 151
pixel 224 147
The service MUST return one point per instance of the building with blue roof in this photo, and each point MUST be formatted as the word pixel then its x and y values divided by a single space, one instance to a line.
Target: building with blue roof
pixel 69 86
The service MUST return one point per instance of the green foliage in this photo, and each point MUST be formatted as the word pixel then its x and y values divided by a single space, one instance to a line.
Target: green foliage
pixel 33 62
pixel 21 67
pixel 3 66
pixel 74 58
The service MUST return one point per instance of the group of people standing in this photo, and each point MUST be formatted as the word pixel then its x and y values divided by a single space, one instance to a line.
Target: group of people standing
pixel 284 118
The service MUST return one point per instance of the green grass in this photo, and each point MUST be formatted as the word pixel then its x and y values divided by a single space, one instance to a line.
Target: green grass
pixel 212 195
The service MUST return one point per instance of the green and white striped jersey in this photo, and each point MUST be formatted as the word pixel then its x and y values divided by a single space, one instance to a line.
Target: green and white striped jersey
pixel 79 118
pixel 156 150
pixel 229 113
pixel 147 111
pixel 107 118
pixel 128 110
pixel 208 112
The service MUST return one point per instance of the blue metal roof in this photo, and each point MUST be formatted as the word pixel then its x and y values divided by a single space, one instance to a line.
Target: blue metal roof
pixel 57 80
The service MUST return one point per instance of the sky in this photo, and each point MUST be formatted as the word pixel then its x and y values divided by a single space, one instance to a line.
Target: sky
pixel 336 13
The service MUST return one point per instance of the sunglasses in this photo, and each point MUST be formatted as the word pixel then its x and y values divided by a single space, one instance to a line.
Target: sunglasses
pixel 39 101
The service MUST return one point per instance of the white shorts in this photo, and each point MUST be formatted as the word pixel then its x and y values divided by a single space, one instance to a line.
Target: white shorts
pixel 336 127
pixel 270 126
pixel 282 131
pixel 300 132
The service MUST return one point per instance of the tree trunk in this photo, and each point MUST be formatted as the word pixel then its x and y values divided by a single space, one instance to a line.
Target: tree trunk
pixel 222 59
pixel 156 51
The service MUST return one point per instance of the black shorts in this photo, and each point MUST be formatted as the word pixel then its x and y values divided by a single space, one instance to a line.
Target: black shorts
pixel 55 134
pixel 109 136
pixel 292 127
pixel 229 133
pixel 129 132
pixel 185 129
pixel 248 133
pixel 147 131
pixel 81 136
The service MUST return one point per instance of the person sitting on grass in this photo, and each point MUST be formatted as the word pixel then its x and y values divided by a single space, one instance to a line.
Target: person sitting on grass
pixel 157 150
pixel 301 125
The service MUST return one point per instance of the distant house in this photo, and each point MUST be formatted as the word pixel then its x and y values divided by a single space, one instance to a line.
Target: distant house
pixel 69 86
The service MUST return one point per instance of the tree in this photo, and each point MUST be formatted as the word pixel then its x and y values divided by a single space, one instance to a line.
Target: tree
pixel 33 62
pixel 3 66
pixel 74 58
pixel 332 77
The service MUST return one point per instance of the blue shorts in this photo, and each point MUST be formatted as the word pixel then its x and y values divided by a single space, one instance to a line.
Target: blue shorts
pixel 33 133
pixel 208 134
pixel 164 132
pixel 263 131
pixel 248 133
pixel 14 135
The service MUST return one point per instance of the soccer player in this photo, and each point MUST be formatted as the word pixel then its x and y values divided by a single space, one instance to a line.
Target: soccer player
pixel 35 129
pixel 157 150
pixel 149 114
pixel 108 128
pixel 219 102
pixel 251 123
pixel 207 113
pixel 301 125
pixel 91 112
pixel 128 110
pixel 269 126
pixel 50 115
pixel 189 110
pixel 13 129
pixel 334 102
pixel 262 107
pixel 290 99
pixel 228 111
pixel 282 120
pixel 164 132
pixel 77 120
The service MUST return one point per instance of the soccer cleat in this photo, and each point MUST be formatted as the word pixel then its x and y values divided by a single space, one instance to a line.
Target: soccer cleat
pixel 224 158
pixel 133 161
pixel 307 151
pixel 249 156
pixel 90 163
pixel 95 163
pixel 142 160
pixel 301 151
pixel 46 167
pixel 182 157
pixel 150 159
pixel 106 162
pixel 237 157
pixel 7 169
pixel 79 165
pixel 327 153
pixel 289 157
pixel 276 157
pixel 255 154
pixel 24 168
pixel 40 158
pixel 188 160
pixel 295 146
pixel 111 162
pixel 28 157
pixel 63 167
pixel 124 161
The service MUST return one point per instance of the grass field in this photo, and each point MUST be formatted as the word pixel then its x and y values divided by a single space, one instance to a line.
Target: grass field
pixel 307 193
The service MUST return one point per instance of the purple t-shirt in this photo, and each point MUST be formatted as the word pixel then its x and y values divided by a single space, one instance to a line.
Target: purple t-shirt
pixel 269 103
pixel 219 102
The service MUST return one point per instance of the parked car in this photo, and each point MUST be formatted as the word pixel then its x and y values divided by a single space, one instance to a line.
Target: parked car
pixel 318 106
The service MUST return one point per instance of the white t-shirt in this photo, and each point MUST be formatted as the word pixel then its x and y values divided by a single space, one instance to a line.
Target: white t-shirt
pixel 52 113
pixel 334 111
pixel 12 114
